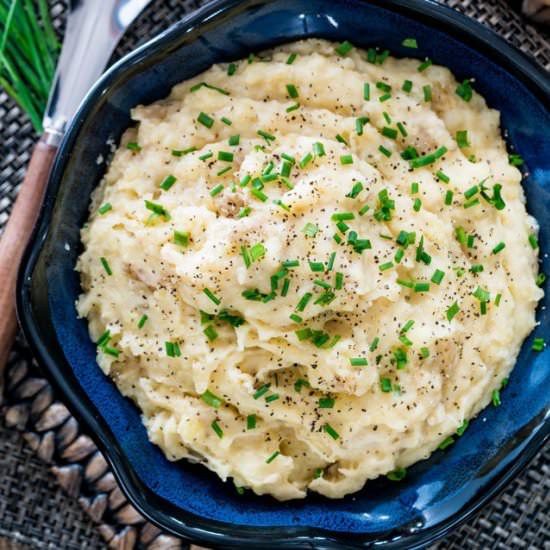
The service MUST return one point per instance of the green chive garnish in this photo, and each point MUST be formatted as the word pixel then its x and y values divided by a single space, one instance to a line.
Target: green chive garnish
pixel 231 69
pixel 304 300
pixel 210 333
pixel 385 266
pixel 339 280
pixel 216 427
pixel 500 246
pixel 407 86
pixel 462 139
pixel 210 87
pixel 452 311
pixel 449 197
pixel 106 266
pixel 424 65
pixel 346 159
pixel 389 132
pixel 437 277
pixel 515 160
pixel 133 146
pixel 358 361
pixel 293 107
pixel 103 209
pixel 212 296
pixel 216 190
pixel 205 120
pixel 262 390
pixel 533 241
pixel 385 385
pixel 366 91
pixel 271 458
pixel 326 402
pixel 465 90
pixel 409 43
pixel 384 151
pixel 340 139
pixel 181 238
pixel 331 431
pixel 427 89
pixel 306 159
pixel 157 209
pixel 291 58
pixel 399 473
pixel 268 137
pixel 428 159
pixel 292 91
pixel 250 421
pixel 538 344
pixel 310 229
pixel 344 48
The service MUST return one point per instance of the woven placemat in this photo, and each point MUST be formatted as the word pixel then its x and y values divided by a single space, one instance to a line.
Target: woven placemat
pixel 42 447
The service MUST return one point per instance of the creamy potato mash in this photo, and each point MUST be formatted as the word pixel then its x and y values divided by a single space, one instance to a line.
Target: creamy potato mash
pixel 310 268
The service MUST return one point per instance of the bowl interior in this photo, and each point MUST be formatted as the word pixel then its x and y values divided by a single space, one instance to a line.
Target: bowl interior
pixel 436 489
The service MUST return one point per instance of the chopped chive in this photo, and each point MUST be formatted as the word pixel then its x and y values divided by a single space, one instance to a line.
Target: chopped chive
pixel 500 246
pixel 172 349
pixel 262 390
pixel 533 241
pixel 246 256
pixel 331 431
pixel 270 459
pixel 282 205
pixel 385 385
pixel 442 176
pixel 142 321
pixel 216 427
pixel 358 361
pixel 322 284
pixel 424 65
pixel 209 86
pixel 340 216
pixel 303 334
pixel 465 90
pixel 384 151
pixel 495 398
pixel 292 91
pixel 476 268
pixel 306 159
pixel 318 149
pixel 210 333
pixel 212 296
pixel 469 193
pixel 538 344
pixel 424 352
pixel 415 187
pixel 449 197
pixel 344 48
pixel 462 428
pixel 360 123
pixel 286 285
pixel 429 159
pixel 402 129
pixel 223 171
pixel 462 139
pixel 346 159
pixel 106 266
pixel 231 69
pixel 304 300
pixel 316 266
pixel 250 58
pixel 216 190
pixel 515 160
pixel 257 252
pixel 452 311
pixel 427 89
pixel 181 238
pixel 417 205
pixel 259 194
pixel 226 121
pixel 437 277
pixel 472 202
pixel 447 442
pixel 272 397
pixel 399 473
pixel 104 338
pixel 268 137
pixel 157 209
pixel 183 152
pixel 371 55
pixel 389 132
pixel 383 86
pixel 407 86
pixel 384 97
pixel 399 255
pixel 133 146
pixel 225 156
pixel 409 43
pixel 407 326
pixel 330 263
pixel 244 211
pixel 250 421
pixel 310 229
pixel 326 402
pixel 205 120
pixel 293 107
pixel 405 341
pixel 364 209
pixel 111 351
pixel 206 156
pixel 421 287
pixel 385 266
pixel 374 344
pixel 497 299
pixel 291 58
pixel 407 284
pixel 296 318
pixel 340 139
pixel 104 208
pixel 339 280
pixel 366 91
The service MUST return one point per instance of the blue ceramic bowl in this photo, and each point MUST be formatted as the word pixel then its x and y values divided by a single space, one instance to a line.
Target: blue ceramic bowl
pixel 189 500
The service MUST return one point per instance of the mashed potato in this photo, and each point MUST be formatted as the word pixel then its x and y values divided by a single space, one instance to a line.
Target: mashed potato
pixel 308 269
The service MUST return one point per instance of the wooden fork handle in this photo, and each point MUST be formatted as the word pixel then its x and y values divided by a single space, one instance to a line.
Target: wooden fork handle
pixel 15 238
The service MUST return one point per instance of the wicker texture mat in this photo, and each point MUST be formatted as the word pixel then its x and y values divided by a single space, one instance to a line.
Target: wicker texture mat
pixel 42 447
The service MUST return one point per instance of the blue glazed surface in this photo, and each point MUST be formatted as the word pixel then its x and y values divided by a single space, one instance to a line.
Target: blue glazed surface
pixel 437 492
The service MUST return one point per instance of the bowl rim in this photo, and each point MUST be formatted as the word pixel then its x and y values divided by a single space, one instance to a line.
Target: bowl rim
pixel 188 525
